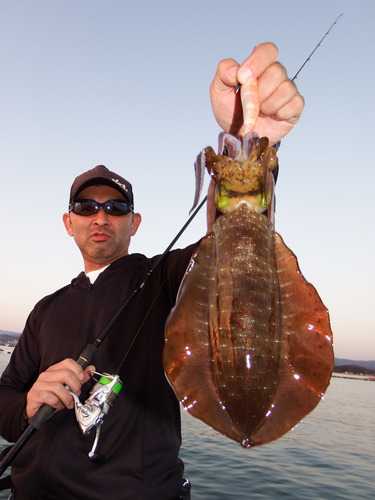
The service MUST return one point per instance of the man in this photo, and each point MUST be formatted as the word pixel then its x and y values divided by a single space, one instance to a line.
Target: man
pixel 137 454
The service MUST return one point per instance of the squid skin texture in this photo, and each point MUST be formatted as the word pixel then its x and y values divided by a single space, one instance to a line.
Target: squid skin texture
pixel 248 344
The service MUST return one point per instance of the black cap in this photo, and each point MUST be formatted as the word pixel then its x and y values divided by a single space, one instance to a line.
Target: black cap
pixel 101 175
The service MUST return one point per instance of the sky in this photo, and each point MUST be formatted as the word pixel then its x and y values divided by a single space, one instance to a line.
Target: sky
pixel 125 84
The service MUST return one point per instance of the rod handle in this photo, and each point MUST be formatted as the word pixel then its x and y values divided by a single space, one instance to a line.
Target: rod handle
pixel 46 411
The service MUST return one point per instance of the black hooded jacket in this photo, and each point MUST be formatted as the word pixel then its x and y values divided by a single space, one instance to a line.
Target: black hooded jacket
pixel 140 437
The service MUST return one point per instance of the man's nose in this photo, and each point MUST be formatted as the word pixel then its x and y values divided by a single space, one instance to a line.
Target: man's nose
pixel 101 218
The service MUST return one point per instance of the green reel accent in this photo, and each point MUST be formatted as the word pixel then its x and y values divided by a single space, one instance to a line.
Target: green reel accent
pixel 106 380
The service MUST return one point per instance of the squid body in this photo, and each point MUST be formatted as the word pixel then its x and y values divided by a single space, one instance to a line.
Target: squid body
pixel 248 345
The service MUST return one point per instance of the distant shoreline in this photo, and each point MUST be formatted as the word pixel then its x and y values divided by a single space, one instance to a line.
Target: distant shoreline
pixel 8 348
pixel 6 351
pixel 353 376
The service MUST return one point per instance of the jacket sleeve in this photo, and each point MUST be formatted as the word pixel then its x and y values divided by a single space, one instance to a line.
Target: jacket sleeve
pixel 174 267
pixel 15 382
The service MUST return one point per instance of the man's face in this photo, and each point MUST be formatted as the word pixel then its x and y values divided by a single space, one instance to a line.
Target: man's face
pixel 101 238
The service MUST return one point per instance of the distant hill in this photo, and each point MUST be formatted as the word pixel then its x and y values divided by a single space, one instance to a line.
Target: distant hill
pixel 354 369
pixel 9 337
pixel 364 364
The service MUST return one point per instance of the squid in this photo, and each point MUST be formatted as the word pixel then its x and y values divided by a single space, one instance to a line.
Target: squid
pixel 248 346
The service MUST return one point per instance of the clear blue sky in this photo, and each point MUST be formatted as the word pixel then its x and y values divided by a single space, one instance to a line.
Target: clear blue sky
pixel 125 84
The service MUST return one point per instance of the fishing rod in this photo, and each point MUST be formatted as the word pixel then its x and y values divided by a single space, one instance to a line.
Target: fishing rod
pixel 86 357
pixel 38 420
pixel 318 45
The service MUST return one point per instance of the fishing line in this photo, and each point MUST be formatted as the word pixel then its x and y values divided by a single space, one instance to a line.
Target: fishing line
pixel 161 258
pixel 142 323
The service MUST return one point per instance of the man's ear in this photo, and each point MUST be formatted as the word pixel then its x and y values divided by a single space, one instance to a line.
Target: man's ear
pixel 68 224
pixel 137 219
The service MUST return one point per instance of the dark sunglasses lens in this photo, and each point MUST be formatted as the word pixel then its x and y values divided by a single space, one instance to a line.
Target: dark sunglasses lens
pixel 116 207
pixel 85 207
pixel 110 207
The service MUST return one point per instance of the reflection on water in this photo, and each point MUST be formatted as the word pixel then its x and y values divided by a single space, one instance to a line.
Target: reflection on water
pixel 5 353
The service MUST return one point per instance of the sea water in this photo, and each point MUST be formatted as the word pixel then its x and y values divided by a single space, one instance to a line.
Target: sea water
pixel 328 456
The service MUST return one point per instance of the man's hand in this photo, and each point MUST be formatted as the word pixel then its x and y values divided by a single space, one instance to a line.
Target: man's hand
pixel 280 103
pixel 49 387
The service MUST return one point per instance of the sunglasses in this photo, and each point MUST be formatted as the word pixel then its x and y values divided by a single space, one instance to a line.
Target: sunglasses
pixel 110 207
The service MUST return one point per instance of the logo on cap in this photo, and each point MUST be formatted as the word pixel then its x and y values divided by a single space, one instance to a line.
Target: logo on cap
pixel 120 184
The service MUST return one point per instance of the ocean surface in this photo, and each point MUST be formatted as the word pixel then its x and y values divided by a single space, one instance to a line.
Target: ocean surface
pixel 328 456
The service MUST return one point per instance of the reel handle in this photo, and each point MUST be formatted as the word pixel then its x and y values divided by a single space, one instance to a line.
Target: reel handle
pixel 43 414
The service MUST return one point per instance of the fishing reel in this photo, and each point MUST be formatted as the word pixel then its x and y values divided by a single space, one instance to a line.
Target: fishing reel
pixel 102 397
